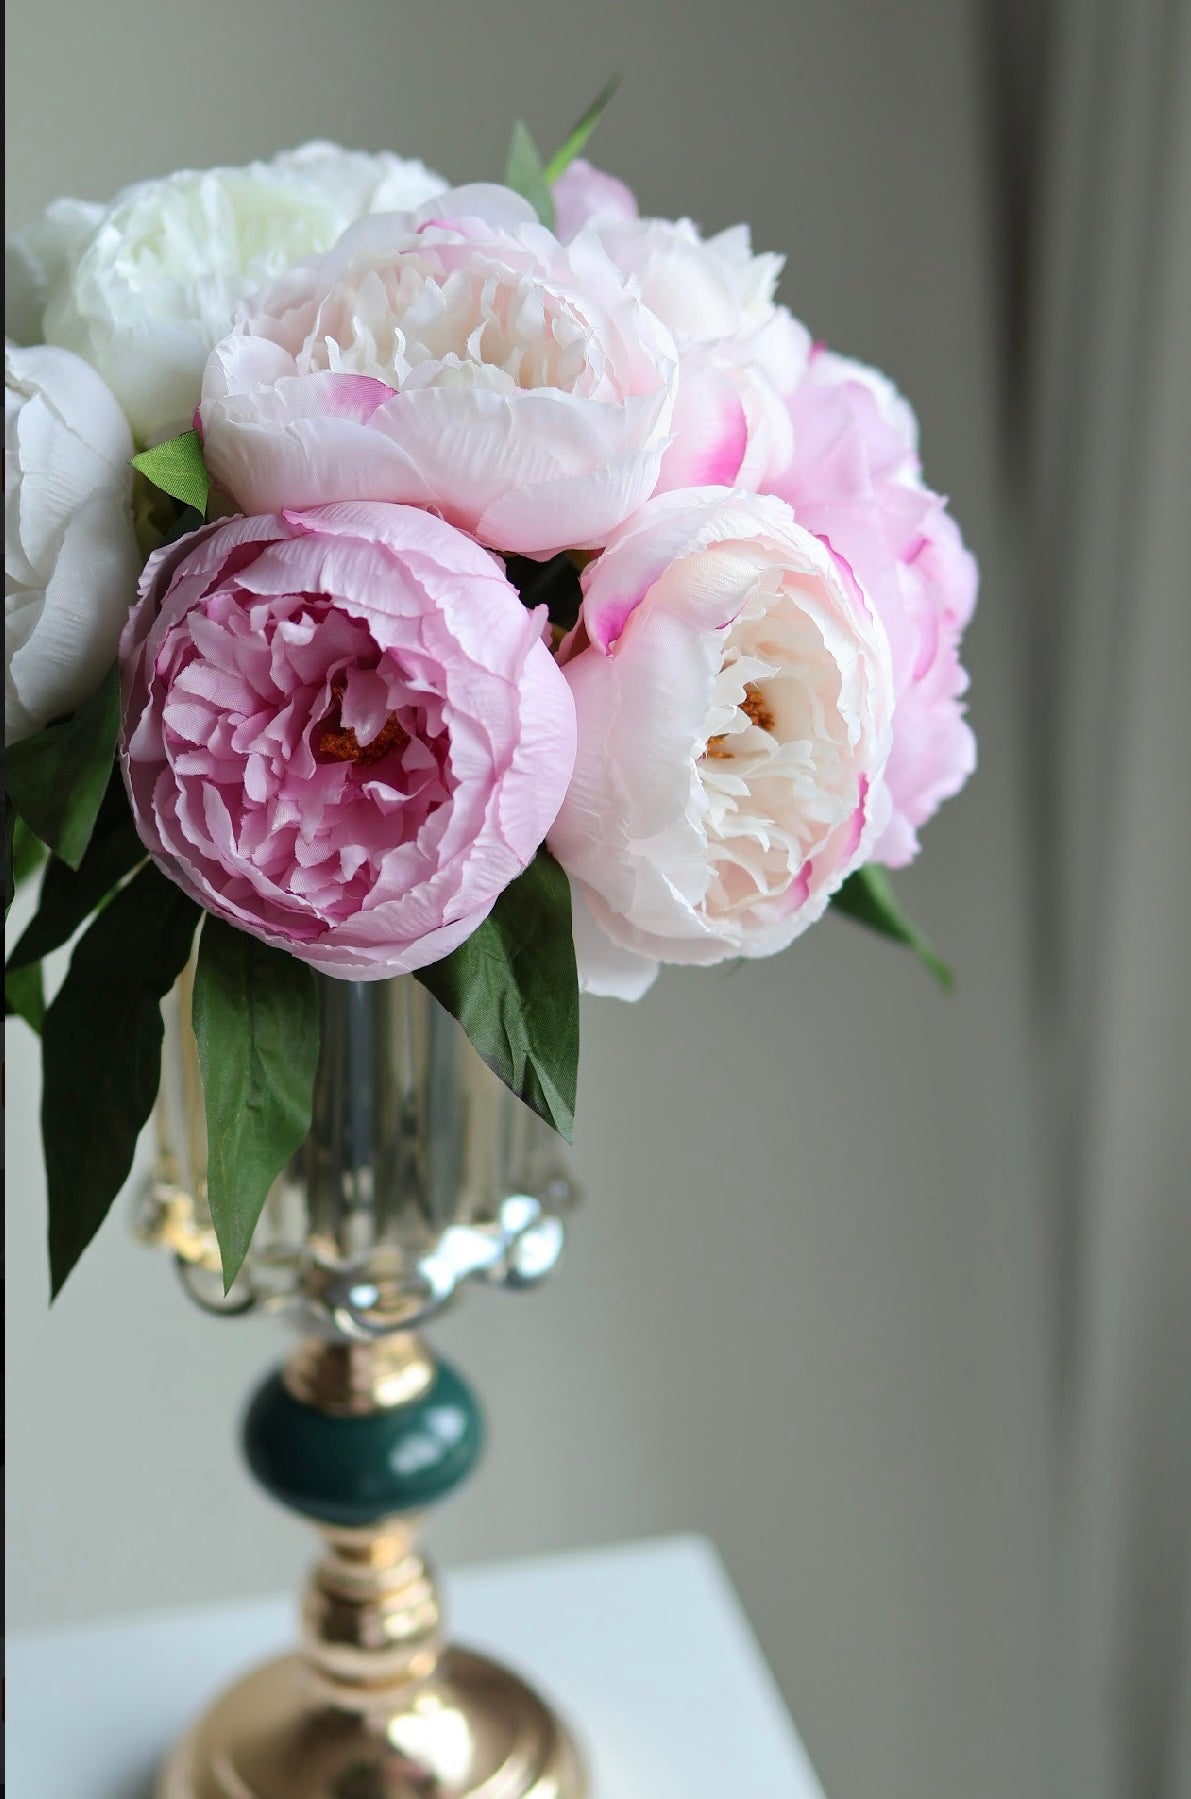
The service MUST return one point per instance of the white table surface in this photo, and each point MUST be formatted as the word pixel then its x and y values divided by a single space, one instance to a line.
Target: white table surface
pixel 644 1647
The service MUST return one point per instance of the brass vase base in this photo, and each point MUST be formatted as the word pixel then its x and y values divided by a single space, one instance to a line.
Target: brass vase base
pixel 469 1730
pixel 375 1705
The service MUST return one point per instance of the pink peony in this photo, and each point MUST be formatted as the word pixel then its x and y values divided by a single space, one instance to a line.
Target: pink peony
pixel 739 353
pixel 584 195
pixel 733 698
pixel 342 731
pixel 853 477
pixel 458 357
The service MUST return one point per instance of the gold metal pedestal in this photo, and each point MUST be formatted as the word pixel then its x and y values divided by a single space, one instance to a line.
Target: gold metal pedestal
pixel 375 1706
pixel 468 1728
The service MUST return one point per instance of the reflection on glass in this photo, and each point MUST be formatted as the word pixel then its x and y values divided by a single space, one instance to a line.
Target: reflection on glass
pixel 420 1170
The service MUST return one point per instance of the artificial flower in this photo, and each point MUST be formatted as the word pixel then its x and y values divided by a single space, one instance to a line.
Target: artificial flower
pixel 35 259
pixel 733 698
pixel 143 288
pixel 584 195
pixel 70 554
pixel 343 731
pixel 458 358
pixel 739 352
pixel 853 477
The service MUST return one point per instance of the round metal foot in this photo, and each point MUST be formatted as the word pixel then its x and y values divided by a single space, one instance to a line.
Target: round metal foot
pixel 469 1728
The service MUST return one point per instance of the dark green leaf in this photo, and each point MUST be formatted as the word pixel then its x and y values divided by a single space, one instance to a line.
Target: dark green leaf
pixel 10 824
pixel 188 520
pixel 101 1055
pixel 154 514
pixel 576 141
pixel 23 852
pixel 553 584
pixel 525 175
pixel 157 517
pixel 68 896
pixel 867 897
pixel 28 852
pixel 57 777
pixel 24 995
pixel 514 989
pixel 255 1013
pixel 177 467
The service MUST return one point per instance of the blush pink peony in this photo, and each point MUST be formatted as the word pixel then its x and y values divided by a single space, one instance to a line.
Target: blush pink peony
pixel 853 477
pixel 733 697
pixel 584 195
pixel 459 358
pixel 342 731
pixel 739 353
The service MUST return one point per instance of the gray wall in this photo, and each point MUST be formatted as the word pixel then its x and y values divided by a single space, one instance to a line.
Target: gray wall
pixel 802 1309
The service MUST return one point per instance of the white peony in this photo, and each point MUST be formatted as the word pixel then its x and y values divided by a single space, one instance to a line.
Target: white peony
pixel 733 695
pixel 70 554
pixel 154 283
pixel 36 258
pixel 357 183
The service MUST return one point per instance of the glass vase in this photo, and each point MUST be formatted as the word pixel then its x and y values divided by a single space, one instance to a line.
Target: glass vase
pixel 421 1171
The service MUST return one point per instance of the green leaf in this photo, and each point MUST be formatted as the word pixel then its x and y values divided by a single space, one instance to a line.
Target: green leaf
pixel 177 467
pixel 153 514
pixel 525 175
pixel 553 584
pixel 23 852
pixel 514 989
pixel 101 1055
pixel 867 897
pixel 576 141
pixel 69 896
pixel 255 1013
pixel 28 852
pixel 24 995
pixel 10 824
pixel 57 778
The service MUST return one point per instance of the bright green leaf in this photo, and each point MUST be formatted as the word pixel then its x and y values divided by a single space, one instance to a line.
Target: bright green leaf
pixel 255 1013
pixel 177 467
pixel 24 995
pixel 867 897
pixel 576 141
pixel 525 175
pixel 57 777
pixel 69 896
pixel 101 1055
pixel 514 989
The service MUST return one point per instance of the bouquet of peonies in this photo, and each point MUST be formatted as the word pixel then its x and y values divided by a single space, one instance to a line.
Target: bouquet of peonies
pixel 487 584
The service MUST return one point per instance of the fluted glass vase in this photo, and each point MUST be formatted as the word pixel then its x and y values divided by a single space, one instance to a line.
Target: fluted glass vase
pixel 420 1171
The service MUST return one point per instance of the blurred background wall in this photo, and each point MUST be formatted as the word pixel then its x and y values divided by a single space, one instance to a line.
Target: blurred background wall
pixel 804 1309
